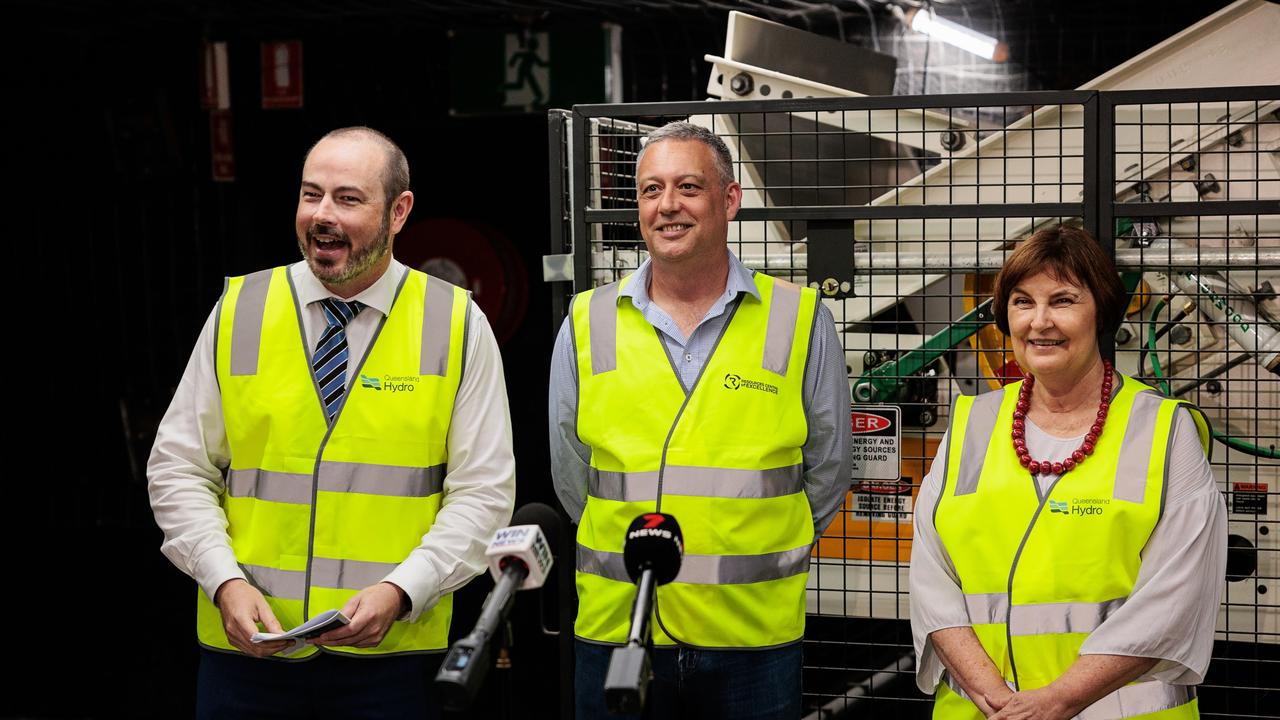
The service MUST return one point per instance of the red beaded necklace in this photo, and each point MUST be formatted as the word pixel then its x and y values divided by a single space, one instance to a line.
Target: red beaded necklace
pixel 1044 467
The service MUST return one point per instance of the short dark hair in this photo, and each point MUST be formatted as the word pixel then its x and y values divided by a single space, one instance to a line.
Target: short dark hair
pixel 1070 254
pixel 681 130
pixel 395 172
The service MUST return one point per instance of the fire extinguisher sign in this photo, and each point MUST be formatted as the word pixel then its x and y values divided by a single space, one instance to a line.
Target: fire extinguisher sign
pixel 876 442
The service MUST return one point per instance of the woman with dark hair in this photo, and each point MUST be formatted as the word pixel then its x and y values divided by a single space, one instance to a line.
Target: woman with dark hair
pixel 1070 541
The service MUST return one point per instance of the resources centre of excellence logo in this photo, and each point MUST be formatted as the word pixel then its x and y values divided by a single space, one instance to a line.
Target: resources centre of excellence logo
pixel 390 383
pixel 734 381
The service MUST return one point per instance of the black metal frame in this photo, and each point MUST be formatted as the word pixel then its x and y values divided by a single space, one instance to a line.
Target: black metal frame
pixel 1236 685
pixel 582 114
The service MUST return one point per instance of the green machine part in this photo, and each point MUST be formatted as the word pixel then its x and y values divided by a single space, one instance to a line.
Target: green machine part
pixel 881 383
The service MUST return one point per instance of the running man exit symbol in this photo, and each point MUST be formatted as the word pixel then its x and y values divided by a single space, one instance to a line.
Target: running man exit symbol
pixel 528 74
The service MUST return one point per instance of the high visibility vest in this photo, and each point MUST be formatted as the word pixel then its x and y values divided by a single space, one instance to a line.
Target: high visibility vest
pixel 316 513
pixel 724 458
pixel 1041 573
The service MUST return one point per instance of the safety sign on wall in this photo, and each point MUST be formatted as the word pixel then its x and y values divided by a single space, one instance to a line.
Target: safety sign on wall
pixel 528 70
pixel 882 501
pixel 281 74
pixel 519 72
pixel 1249 498
pixel 876 443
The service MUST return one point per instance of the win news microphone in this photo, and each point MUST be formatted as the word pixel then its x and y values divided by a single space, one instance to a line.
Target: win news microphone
pixel 651 552
pixel 519 558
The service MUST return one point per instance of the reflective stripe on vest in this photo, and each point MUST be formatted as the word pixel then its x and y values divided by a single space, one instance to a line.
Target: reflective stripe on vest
pixel 706 569
pixel 325 573
pixel 1040 573
pixel 337 477
pixel 724 457
pixel 1039 618
pixel 316 513
pixel 1132 700
pixel 695 482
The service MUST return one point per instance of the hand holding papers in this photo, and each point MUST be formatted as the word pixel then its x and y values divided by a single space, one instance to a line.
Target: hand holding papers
pixel 315 626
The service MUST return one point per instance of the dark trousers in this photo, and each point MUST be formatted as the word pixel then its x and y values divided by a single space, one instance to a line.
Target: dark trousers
pixel 325 686
pixel 700 684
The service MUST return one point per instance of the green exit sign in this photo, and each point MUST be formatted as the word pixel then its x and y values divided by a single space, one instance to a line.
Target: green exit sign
pixel 521 71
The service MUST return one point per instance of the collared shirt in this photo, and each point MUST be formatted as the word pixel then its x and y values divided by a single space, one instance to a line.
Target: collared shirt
pixel 186 470
pixel 1172 610
pixel 825 393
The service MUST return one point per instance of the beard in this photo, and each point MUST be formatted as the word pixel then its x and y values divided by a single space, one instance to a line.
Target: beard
pixel 359 260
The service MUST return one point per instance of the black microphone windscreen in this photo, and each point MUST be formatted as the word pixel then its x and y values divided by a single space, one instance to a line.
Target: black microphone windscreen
pixel 544 517
pixel 653 541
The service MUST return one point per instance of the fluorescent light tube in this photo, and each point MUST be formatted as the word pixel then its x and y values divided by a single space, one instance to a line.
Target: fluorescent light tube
pixel 984 46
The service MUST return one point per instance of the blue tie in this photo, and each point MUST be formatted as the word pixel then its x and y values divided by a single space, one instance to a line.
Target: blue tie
pixel 330 359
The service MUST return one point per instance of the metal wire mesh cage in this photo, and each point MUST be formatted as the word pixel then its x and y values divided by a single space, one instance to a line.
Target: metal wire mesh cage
pixel 900 211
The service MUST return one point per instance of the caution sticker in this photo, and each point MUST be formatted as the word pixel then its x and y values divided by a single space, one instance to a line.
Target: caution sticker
pixel 886 501
pixel 1249 498
pixel 876 442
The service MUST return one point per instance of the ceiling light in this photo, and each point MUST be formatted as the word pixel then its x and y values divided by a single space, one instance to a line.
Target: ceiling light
pixel 924 20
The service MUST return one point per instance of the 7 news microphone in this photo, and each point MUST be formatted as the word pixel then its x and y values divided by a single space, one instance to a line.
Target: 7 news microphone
pixel 519 558
pixel 651 552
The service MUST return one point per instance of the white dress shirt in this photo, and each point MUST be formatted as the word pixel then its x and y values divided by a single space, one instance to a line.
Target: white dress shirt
pixel 186 471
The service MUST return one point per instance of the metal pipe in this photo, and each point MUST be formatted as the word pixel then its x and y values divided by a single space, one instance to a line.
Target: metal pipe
pixel 1239 314
pixel 1220 370
pixel 845 705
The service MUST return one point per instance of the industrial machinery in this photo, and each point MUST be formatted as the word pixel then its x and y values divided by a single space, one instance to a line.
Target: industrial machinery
pixel 900 210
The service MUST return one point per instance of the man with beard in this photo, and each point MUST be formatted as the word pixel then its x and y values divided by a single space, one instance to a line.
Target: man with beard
pixel 326 450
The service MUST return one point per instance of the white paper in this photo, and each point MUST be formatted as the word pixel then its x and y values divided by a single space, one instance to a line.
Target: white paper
pixel 317 625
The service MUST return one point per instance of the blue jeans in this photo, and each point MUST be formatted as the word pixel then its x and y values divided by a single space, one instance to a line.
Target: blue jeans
pixel 327 685
pixel 739 684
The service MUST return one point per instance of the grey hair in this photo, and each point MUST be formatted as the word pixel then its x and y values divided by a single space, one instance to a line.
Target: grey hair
pixel 395 172
pixel 688 131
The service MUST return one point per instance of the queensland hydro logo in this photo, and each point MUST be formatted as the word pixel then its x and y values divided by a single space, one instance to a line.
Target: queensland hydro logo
pixel 390 383
pixel 1080 507
pixel 734 381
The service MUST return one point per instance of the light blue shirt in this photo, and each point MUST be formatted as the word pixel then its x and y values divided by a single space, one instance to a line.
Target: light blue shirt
pixel 825 393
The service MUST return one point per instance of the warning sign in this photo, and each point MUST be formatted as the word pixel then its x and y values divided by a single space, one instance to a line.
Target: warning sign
pixel 876 442
pixel 1249 498
pixel 875 522
pixel 888 501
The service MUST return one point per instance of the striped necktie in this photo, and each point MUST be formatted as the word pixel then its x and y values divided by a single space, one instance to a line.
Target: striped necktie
pixel 330 359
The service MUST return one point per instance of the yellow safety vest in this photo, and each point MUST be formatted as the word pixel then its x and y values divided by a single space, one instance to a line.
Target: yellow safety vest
pixel 724 458
pixel 316 513
pixel 1041 573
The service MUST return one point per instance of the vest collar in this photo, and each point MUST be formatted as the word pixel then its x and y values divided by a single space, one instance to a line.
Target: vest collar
pixel 381 295
pixel 740 280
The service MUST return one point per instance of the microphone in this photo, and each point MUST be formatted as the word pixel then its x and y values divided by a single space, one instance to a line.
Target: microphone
pixel 519 558
pixel 651 553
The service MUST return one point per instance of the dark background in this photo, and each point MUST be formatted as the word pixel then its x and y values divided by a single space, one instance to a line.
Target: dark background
pixel 110 175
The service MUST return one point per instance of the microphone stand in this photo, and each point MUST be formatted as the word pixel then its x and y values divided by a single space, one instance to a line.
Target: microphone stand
pixel 627 681
pixel 641 608
pixel 464 666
